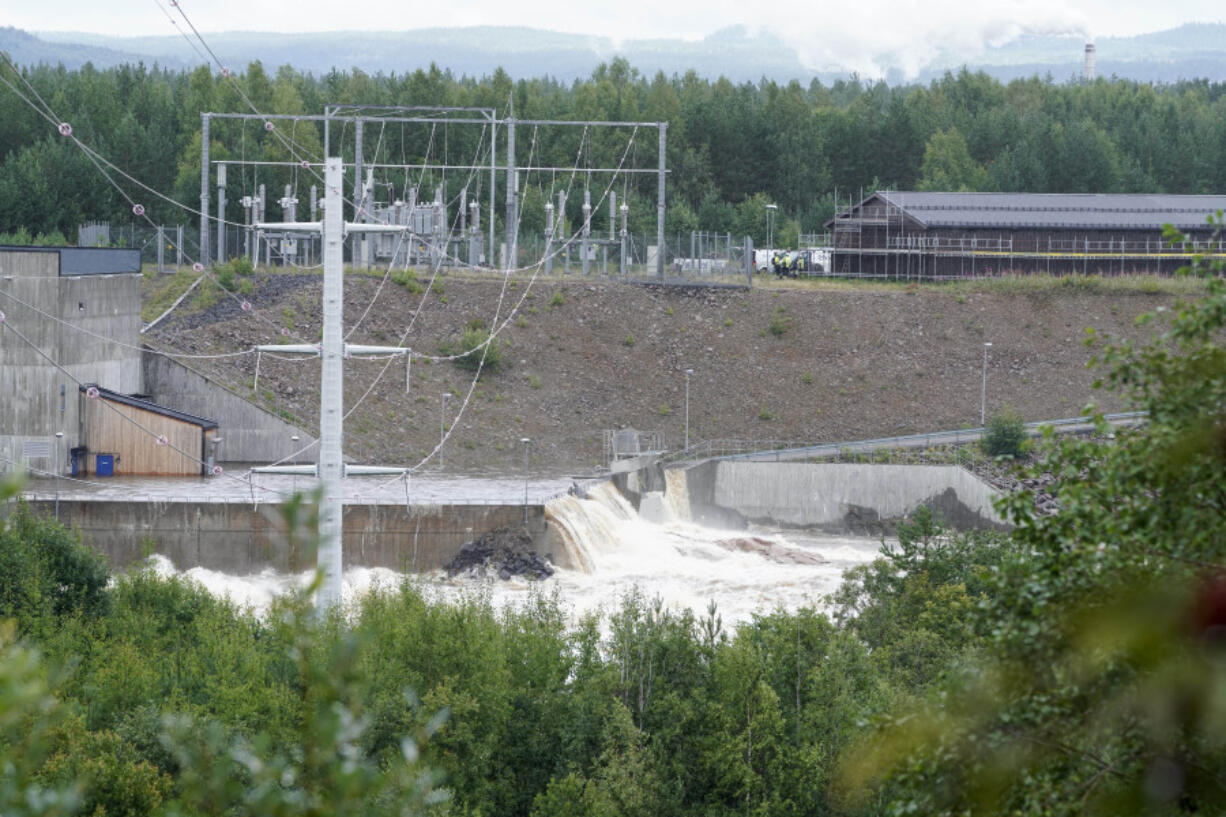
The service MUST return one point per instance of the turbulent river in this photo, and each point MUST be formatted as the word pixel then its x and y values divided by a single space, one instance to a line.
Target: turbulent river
pixel 660 553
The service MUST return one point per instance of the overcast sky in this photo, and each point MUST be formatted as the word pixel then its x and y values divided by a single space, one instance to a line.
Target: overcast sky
pixel 853 35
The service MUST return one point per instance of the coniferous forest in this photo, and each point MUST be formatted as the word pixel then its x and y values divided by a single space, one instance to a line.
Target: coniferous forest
pixel 731 148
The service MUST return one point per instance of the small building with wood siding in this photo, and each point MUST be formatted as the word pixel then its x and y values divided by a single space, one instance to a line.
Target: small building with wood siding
pixel 143 437
pixel 924 236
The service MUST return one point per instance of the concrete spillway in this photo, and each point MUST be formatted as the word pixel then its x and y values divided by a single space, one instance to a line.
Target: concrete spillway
pixel 830 497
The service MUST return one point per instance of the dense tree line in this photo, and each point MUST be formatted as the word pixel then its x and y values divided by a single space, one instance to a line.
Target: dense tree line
pixel 1073 666
pixel 731 148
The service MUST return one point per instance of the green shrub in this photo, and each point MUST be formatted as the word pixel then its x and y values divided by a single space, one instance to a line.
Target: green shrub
pixel 45 572
pixel 556 300
pixel 475 340
pixel 779 323
pixel 630 339
pixel 227 278
pixel 408 279
pixel 1005 434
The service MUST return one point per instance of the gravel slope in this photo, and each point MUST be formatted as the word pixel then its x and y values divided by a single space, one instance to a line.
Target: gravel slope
pixel 583 356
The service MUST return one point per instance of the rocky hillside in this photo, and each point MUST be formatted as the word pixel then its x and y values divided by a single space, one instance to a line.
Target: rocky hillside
pixel 822 363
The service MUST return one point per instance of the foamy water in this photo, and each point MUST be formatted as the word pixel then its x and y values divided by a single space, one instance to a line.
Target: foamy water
pixel 684 564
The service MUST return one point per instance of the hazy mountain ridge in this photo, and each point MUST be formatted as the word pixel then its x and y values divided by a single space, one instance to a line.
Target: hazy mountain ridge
pixel 1194 50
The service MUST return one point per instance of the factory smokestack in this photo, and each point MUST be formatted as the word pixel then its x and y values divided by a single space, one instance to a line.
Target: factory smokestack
pixel 1087 71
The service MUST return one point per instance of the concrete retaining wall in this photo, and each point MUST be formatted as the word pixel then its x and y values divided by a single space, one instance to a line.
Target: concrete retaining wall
pixel 242 539
pixel 249 433
pixel 836 497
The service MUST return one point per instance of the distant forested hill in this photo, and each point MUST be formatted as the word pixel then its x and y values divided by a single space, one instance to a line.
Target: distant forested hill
pixel 1193 51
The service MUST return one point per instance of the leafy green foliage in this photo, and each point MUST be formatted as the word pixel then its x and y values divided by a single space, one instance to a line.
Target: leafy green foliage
pixel 476 349
pixel 1005 434
pixel 45 573
pixel 780 323
pixel 1100 690
pixel 407 278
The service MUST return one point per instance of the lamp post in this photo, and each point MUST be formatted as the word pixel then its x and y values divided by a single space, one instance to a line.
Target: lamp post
pixel 688 372
pixel 442 426
pixel 294 440
pixel 59 435
pixel 216 441
pixel 770 219
pixel 983 393
pixel 527 442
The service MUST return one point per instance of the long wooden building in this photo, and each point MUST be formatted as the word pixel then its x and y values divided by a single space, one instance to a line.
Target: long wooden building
pixel 925 236
pixel 130 436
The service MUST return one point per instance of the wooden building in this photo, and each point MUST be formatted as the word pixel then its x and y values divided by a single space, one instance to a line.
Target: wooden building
pixel 926 236
pixel 143 438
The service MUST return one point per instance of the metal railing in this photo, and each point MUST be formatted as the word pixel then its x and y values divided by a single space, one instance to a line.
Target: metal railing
pixel 775 450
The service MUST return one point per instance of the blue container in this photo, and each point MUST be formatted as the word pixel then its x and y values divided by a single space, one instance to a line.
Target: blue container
pixel 105 466
pixel 79 460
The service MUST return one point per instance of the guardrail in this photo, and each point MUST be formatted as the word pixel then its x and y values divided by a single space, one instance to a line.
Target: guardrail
pixel 780 450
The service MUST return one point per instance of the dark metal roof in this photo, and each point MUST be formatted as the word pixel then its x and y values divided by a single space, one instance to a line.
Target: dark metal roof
pixel 147 405
pixel 88 260
pixel 1065 211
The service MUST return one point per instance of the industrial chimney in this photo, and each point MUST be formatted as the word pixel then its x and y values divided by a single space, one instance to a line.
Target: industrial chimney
pixel 1087 71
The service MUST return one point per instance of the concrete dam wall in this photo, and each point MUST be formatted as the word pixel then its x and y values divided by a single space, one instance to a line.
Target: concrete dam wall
pixel 835 497
pixel 245 538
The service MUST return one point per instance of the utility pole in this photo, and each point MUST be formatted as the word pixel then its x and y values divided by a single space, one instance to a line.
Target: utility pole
pixel 330 468
pixel 688 372
pixel 660 204
pixel 983 394
pixel 221 212
pixel 204 190
pixel 511 227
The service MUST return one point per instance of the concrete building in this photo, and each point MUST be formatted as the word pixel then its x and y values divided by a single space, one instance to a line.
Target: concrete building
pixel 71 316
pixel 75 307
pixel 924 236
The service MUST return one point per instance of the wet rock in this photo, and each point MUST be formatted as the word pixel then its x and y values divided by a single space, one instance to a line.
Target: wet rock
pixel 505 552
pixel 771 551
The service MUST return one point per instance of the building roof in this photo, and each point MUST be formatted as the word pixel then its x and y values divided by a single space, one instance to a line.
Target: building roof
pixel 147 405
pixel 1061 211
pixel 87 260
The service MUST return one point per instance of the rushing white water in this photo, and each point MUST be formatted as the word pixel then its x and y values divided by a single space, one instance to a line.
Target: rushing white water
pixel 615 551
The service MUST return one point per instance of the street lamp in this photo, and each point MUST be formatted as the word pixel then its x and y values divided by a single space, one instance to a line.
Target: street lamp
pixel 442 426
pixel 688 372
pixel 983 394
pixel 294 439
pixel 526 441
pixel 770 218
pixel 216 442
pixel 59 435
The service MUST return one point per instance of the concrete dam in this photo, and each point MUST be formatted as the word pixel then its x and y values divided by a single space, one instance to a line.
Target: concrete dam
pixel 202 526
